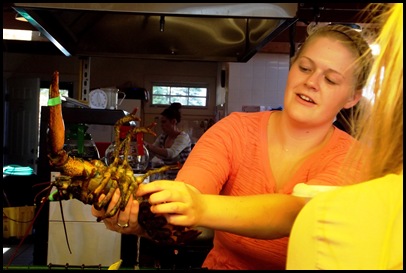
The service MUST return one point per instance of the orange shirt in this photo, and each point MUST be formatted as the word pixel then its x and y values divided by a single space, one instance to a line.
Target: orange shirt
pixel 231 158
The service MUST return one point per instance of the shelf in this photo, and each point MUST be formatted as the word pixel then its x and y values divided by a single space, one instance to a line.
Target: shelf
pixel 92 116
pixel 70 115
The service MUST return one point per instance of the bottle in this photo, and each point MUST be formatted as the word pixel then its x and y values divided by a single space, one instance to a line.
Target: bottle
pixel 138 155
pixel 79 143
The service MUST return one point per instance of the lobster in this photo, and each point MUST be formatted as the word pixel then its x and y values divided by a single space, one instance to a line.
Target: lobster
pixel 88 180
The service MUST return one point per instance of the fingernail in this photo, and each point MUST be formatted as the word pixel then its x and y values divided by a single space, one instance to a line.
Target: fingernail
pixel 116 194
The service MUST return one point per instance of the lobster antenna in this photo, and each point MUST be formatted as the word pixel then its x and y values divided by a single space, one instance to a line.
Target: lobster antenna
pixel 64 226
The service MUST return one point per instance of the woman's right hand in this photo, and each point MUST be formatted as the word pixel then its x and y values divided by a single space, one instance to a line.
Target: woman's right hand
pixel 180 203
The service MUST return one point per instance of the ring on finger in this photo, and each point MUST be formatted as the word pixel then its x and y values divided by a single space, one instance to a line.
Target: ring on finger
pixel 122 226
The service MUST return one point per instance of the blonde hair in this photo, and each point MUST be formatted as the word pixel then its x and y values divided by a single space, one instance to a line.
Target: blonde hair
pixel 351 38
pixel 348 120
pixel 381 129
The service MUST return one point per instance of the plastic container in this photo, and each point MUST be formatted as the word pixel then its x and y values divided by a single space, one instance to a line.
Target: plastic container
pixel 17 221
pixel 310 191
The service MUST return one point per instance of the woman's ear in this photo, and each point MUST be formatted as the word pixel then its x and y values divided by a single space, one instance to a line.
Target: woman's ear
pixel 353 100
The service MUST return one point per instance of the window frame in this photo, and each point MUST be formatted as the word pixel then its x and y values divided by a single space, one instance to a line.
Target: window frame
pixel 184 85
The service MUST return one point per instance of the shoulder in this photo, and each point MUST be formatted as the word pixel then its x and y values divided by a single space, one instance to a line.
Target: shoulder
pixel 338 212
pixel 384 187
pixel 239 124
pixel 387 189
pixel 161 136
pixel 238 119
pixel 183 135
pixel 249 116
pixel 341 141
pixel 340 135
pixel 378 198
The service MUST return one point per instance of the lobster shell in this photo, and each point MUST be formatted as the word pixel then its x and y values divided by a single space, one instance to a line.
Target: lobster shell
pixel 87 180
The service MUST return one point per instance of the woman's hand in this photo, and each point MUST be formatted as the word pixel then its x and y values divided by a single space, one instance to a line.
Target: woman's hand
pixel 179 202
pixel 125 222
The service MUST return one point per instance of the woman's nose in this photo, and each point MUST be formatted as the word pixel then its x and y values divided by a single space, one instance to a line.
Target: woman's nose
pixel 312 81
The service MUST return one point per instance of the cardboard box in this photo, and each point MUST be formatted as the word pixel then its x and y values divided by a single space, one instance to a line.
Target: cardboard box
pixel 17 221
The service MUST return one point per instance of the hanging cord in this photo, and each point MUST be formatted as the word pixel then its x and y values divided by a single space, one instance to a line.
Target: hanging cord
pixel 25 236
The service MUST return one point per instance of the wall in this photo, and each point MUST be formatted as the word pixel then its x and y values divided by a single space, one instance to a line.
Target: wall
pixel 260 82
pixel 107 72
pixel 41 66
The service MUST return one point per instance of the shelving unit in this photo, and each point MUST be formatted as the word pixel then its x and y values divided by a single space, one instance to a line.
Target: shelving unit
pixel 71 115
pixel 41 228
pixel 48 224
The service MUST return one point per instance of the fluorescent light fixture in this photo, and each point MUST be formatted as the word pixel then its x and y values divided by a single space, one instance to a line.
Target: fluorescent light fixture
pixel 17 34
pixel 5 249
pixel 23 35
pixel 42 31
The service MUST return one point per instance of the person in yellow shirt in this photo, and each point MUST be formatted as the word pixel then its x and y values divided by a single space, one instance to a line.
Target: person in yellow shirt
pixel 361 226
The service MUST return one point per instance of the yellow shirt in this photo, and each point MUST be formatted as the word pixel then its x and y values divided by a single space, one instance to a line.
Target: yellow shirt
pixel 354 227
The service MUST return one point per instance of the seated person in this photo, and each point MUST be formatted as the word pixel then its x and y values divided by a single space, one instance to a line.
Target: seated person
pixel 172 146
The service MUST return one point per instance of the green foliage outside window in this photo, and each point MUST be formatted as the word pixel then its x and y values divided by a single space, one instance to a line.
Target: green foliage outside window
pixel 187 96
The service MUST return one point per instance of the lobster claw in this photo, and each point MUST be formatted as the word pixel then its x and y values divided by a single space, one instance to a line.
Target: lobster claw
pixel 185 235
pixel 160 231
pixel 147 219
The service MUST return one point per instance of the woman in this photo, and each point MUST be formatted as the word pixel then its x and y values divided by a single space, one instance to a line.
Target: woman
pixel 172 146
pixel 361 226
pixel 239 176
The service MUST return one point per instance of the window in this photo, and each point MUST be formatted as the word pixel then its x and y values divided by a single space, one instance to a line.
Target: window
pixel 65 89
pixel 193 96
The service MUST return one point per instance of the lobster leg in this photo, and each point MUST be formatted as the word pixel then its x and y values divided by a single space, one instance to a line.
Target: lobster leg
pixel 101 204
pixel 96 193
pixel 132 188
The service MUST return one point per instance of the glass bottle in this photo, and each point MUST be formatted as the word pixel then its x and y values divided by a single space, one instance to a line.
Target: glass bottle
pixel 138 155
pixel 79 143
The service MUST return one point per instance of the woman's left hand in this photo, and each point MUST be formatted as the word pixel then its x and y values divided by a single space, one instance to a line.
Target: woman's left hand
pixel 179 202
pixel 125 221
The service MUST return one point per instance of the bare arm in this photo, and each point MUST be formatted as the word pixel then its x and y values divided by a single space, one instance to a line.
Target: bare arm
pixel 266 216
